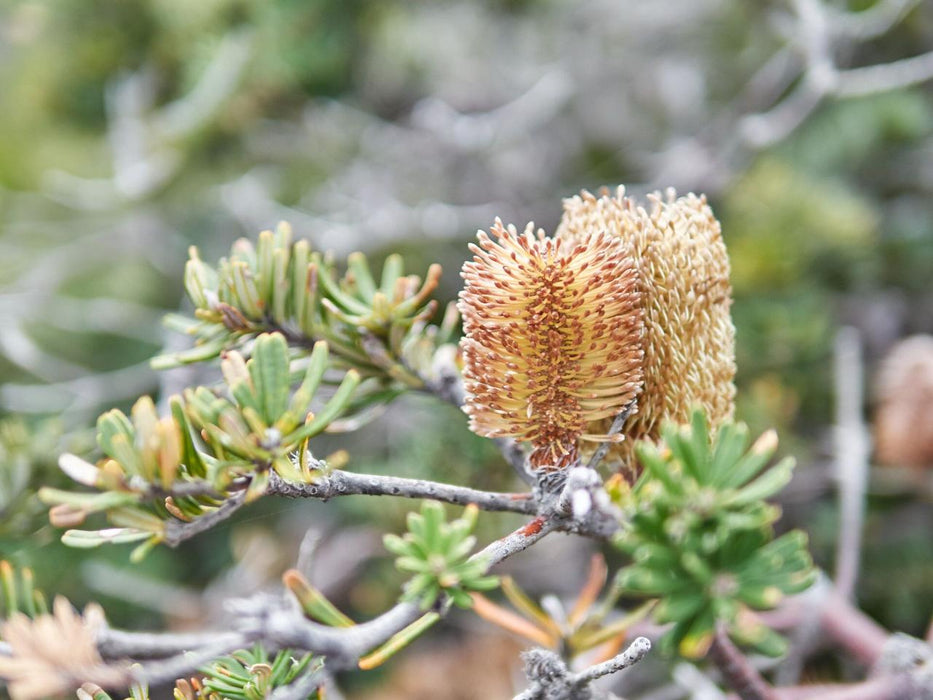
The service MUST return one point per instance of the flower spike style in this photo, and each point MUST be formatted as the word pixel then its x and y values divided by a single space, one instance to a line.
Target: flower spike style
pixel 683 278
pixel 552 338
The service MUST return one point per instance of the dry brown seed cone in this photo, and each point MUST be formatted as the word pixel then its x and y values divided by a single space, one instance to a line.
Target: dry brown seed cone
pixel 683 271
pixel 903 428
pixel 552 338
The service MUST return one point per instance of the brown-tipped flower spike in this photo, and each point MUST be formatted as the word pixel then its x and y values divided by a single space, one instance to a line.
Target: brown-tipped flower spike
pixel 552 338
pixel 683 271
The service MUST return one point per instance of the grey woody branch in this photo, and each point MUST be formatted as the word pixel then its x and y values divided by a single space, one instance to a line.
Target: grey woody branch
pixel 277 621
pixel 552 680
pixel 737 670
pixel 341 483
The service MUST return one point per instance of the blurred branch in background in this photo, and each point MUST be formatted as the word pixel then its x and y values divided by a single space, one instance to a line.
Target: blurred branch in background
pixel 429 138
pixel 144 139
pixel 794 82
pixel 852 455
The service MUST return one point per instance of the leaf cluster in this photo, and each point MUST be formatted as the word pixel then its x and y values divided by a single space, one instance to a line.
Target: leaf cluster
pixel 377 327
pixel 92 691
pixel 18 591
pixel 214 444
pixel 437 553
pixel 247 674
pixel 285 324
pixel 702 539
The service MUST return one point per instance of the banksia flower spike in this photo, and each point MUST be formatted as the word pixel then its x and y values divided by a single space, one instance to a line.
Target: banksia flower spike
pixel 552 338
pixel 683 278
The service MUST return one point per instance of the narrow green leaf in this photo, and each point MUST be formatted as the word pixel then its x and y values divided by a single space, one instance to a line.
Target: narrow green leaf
pixel 391 271
pixel 265 259
pixel 269 369
pixel 330 288
pixel 700 443
pixel 731 442
pixel 300 285
pixel 199 353
pixel 317 365
pixel 90 502
pixel 8 583
pixel 398 641
pixel 314 604
pixel 137 519
pixel 280 286
pixel 362 277
pixel 769 483
pixel 330 411
pixel 699 636
pixel 257 486
pixel 28 594
pixel 110 425
pixel 758 455
pixel 190 456
pixel 679 608
pixel 248 299
pixel 85 539
pixel 650 582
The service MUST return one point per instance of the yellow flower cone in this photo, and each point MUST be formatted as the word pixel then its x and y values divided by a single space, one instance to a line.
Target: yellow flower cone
pixel 683 277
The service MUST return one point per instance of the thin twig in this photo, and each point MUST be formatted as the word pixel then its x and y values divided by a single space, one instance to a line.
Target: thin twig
pixel 631 656
pixel 116 644
pixel 550 678
pixel 177 531
pixel 851 459
pixel 883 688
pixel 517 541
pixel 341 483
pixel 300 689
pixel 169 669
pixel 872 22
pixel 515 456
pixel 884 77
pixel 804 636
pixel 614 429
pixel 847 626
pixel 277 621
pixel 740 675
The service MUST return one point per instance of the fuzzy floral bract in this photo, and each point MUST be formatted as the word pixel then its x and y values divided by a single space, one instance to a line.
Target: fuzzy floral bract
pixel 683 278
pixel 552 337
pixel 54 654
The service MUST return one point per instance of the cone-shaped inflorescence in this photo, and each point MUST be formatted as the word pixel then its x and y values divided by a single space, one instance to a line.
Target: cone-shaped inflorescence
pixel 683 278
pixel 552 337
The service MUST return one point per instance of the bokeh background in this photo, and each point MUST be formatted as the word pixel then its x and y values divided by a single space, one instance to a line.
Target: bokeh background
pixel 131 129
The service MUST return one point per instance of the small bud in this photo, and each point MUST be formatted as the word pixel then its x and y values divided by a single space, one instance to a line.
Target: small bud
pixel 766 444
pixel 79 470
pixel 66 516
